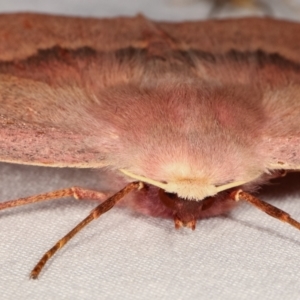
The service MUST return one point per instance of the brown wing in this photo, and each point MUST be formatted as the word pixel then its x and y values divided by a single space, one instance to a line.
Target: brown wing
pixel 264 54
pixel 244 35
pixel 25 34
pixel 36 129
pixel 50 68
pixel 53 73
pixel 22 35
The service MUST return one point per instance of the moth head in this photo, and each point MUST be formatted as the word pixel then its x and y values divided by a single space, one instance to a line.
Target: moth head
pixel 187 188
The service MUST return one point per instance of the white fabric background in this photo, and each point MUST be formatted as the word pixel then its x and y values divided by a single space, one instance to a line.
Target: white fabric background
pixel 128 256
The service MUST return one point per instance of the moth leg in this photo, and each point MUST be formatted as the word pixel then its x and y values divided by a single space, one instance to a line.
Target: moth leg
pixel 265 207
pixel 95 213
pixel 76 192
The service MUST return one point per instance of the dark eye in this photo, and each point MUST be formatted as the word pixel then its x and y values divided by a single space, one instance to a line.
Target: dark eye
pixel 168 199
pixel 171 195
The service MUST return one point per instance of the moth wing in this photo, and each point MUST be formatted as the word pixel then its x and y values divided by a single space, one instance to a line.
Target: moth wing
pixel 49 68
pixel 59 132
pixel 280 142
pixel 24 34
pixel 244 35
pixel 35 129
pixel 263 53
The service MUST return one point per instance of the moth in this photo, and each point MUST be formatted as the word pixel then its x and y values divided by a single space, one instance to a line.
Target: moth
pixel 189 118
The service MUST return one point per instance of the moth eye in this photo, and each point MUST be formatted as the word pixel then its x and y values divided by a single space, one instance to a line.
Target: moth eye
pixel 168 199
pixel 171 195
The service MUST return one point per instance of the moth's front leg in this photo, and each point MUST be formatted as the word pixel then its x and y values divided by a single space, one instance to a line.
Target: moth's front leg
pixel 75 191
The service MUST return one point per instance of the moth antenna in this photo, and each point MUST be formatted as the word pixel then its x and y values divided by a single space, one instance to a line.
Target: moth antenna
pixel 95 213
pixel 265 207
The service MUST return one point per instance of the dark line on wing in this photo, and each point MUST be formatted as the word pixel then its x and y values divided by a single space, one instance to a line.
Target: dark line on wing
pixel 80 57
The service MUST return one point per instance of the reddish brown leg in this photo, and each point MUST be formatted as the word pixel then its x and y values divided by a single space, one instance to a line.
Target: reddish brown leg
pixel 266 207
pixel 95 213
pixel 76 192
